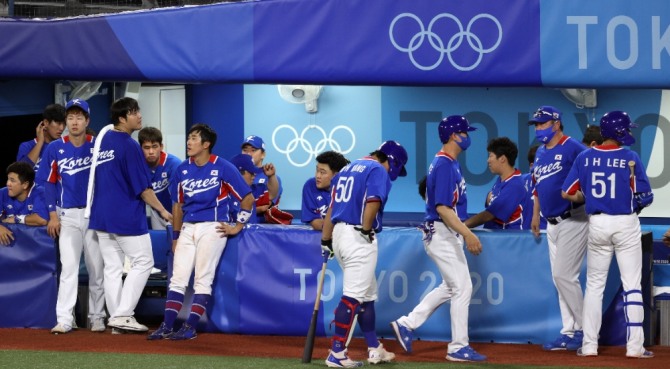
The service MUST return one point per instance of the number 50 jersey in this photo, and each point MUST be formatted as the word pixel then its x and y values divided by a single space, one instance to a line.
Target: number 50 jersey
pixel 365 180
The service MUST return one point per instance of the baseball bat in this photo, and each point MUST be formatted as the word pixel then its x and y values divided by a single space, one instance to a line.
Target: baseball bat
pixel 309 341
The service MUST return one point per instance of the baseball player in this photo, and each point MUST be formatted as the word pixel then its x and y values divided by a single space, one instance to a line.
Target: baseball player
pixel 49 129
pixel 567 225
pixel 248 170
pixel 444 237
pixel 162 166
pixel 316 190
pixel 505 202
pixel 358 196
pixel 666 238
pixel 119 189
pixel 65 171
pixel 529 185
pixel 22 200
pixel 267 189
pixel 612 181
pixel 592 137
pixel 203 185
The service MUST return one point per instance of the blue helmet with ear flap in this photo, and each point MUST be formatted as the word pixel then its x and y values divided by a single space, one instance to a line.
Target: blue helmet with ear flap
pixel 616 125
pixel 397 158
pixel 453 124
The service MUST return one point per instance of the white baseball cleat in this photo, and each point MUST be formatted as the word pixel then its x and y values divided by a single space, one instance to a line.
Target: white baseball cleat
pixel 378 355
pixel 127 323
pixel 61 328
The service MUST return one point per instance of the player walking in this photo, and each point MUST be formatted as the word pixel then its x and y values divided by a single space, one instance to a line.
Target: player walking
pixel 119 189
pixel 65 171
pixel 202 186
pixel 445 234
pixel 567 225
pixel 612 181
pixel 356 210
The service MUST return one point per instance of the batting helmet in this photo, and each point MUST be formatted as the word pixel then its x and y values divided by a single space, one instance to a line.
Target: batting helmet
pixel 397 158
pixel 616 125
pixel 453 124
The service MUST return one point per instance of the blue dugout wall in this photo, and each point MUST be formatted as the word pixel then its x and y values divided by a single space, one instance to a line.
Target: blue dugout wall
pixel 266 284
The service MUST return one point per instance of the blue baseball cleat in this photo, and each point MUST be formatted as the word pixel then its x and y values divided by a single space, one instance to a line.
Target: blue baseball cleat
pixel 162 333
pixel 186 332
pixel 560 343
pixel 404 336
pixel 466 353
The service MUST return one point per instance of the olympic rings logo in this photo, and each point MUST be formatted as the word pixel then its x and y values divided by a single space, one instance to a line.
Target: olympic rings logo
pixel 311 150
pixel 453 44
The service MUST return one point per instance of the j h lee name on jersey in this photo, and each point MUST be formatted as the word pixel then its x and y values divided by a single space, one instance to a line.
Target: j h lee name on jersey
pixel 610 162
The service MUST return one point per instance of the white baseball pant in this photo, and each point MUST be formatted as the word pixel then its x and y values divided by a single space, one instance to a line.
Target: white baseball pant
pixel 567 247
pixel 446 250
pixel 614 235
pixel 358 260
pixel 122 296
pixel 199 246
pixel 75 237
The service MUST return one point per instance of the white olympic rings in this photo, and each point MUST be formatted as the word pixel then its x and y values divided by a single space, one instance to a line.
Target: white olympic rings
pixel 452 45
pixel 311 150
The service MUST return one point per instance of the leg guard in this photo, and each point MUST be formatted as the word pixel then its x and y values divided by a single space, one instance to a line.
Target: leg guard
pixel 345 315
pixel 634 312
pixel 366 319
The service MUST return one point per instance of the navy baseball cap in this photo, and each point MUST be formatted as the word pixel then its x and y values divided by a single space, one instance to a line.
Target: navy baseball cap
pixel 255 141
pixel 245 162
pixel 81 104
pixel 544 114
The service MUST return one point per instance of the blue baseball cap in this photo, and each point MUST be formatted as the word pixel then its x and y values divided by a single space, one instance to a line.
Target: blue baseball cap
pixel 79 103
pixel 245 162
pixel 255 141
pixel 544 114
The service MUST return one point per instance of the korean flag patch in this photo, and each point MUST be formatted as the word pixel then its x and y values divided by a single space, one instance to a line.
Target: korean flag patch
pixel 214 172
pixel 558 157
pixel 163 175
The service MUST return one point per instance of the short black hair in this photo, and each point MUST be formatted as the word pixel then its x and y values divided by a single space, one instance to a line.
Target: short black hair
pixel 23 170
pixel 503 146
pixel 531 153
pixel 380 155
pixel 150 134
pixel 592 134
pixel 333 159
pixel 54 112
pixel 122 107
pixel 207 134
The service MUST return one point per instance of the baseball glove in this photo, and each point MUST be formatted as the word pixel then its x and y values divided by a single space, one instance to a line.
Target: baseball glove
pixel 274 215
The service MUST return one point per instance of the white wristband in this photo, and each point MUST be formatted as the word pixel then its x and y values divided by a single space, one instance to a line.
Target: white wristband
pixel 243 216
pixel 20 219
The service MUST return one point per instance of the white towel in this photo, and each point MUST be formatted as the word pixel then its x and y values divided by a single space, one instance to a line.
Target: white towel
pixel 94 164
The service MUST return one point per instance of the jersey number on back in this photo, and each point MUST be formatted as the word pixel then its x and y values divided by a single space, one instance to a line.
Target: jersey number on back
pixel 599 189
pixel 343 189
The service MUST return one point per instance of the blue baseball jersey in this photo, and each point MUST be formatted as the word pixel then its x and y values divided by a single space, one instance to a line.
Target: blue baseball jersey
pixel 161 176
pixel 24 149
pixel 445 185
pixel 121 176
pixel 262 196
pixel 205 192
pixel 358 183
pixel 529 186
pixel 603 174
pixel 64 172
pixel 33 203
pixel 550 169
pixel 508 198
pixel 314 201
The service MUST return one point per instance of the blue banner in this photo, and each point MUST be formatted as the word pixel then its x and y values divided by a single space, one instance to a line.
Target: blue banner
pixel 364 42
pixel 28 279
